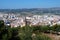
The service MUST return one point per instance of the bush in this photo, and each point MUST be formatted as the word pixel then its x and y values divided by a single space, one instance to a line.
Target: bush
pixel 24 33
pixel 58 28
pixel 41 28
pixel 41 37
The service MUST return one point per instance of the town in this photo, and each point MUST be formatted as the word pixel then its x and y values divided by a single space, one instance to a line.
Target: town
pixel 29 19
pixel 15 20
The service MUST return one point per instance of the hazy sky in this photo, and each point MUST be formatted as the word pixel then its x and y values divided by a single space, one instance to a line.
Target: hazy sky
pixel 11 4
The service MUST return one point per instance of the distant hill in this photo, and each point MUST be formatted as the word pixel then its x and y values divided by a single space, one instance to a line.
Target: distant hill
pixel 54 10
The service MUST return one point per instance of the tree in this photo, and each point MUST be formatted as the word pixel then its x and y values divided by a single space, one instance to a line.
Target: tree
pixel 14 34
pixel 58 28
pixel 25 33
pixel 2 28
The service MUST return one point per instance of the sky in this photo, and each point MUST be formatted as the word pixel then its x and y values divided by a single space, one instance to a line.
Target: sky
pixel 17 4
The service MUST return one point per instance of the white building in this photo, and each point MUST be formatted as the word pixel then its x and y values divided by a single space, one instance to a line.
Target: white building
pixel 18 22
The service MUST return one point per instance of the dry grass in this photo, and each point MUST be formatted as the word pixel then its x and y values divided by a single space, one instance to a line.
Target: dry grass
pixel 53 36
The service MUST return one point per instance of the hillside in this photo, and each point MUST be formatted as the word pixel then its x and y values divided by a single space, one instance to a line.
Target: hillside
pixel 25 11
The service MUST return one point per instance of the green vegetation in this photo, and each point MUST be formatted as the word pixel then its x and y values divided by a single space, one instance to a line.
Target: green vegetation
pixel 27 32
